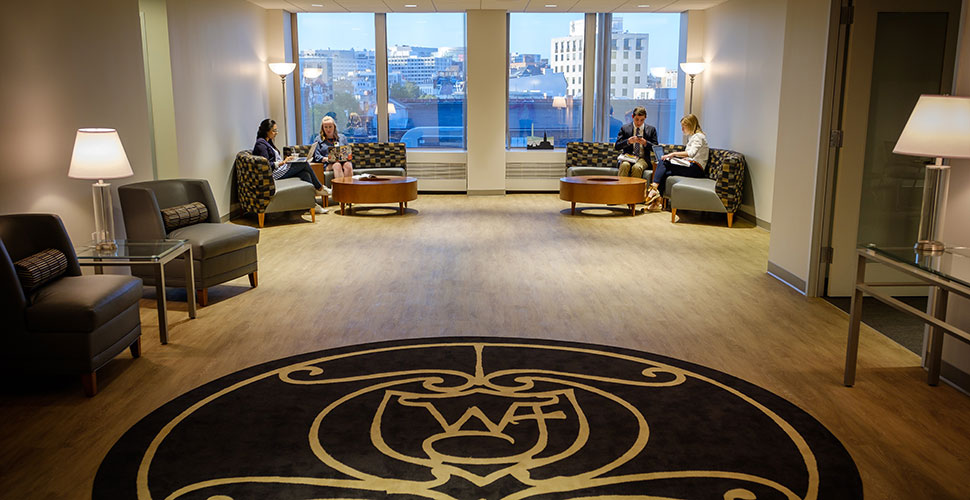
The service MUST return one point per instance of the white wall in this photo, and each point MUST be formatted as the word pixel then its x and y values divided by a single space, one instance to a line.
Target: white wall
pixel 743 47
pixel 158 74
pixel 486 75
pixel 68 65
pixel 222 84
pixel 799 122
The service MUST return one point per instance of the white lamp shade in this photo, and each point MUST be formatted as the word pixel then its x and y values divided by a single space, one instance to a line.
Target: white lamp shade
pixel 391 109
pixel 938 127
pixel 559 102
pixel 98 154
pixel 283 68
pixel 658 72
pixel 693 68
pixel 312 73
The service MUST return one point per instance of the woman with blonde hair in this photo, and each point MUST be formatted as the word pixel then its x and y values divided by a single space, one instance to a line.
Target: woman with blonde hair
pixel 329 137
pixel 692 162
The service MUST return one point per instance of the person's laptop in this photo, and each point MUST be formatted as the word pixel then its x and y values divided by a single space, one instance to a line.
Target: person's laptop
pixel 309 154
pixel 658 151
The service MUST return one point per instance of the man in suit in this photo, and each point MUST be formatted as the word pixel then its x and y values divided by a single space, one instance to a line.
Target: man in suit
pixel 636 138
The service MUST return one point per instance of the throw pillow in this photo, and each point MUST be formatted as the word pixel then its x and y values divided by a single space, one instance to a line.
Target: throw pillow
pixel 40 268
pixel 184 215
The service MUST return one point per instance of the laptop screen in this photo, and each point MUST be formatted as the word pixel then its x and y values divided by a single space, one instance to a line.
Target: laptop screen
pixel 658 151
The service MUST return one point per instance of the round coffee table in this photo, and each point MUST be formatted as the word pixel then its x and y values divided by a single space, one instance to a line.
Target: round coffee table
pixel 382 189
pixel 603 190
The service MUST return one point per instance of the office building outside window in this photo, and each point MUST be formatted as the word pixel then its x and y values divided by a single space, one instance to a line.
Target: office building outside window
pixel 336 74
pixel 654 73
pixel 426 79
pixel 545 100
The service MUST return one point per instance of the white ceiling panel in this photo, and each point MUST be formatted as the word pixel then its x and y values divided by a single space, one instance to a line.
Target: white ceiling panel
pixel 419 5
pixel 275 4
pixel 596 5
pixel 316 6
pixel 510 5
pixel 655 6
pixel 364 5
pixel 456 5
pixel 560 5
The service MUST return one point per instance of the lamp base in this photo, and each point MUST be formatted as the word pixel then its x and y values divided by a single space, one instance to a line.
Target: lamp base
pixel 929 246
pixel 106 246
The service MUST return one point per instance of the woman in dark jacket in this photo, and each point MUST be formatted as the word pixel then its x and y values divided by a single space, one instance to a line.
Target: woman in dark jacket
pixel 283 167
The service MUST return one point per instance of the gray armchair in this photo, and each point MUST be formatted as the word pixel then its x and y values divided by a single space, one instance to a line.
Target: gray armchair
pixel 260 194
pixel 220 252
pixel 68 323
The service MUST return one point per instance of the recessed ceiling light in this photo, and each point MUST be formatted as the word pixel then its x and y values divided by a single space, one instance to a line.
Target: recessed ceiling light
pixel 643 6
pixel 316 5
pixel 410 5
pixel 551 5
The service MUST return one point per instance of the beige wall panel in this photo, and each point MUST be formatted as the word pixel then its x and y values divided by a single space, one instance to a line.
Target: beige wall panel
pixel 799 122
pixel 487 109
pixel 68 65
pixel 221 85
pixel 743 45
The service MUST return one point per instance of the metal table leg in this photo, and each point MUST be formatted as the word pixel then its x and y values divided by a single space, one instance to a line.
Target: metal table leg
pixel 162 304
pixel 935 358
pixel 190 281
pixel 855 318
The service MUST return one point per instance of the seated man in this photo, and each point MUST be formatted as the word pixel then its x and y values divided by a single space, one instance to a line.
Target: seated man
pixel 635 139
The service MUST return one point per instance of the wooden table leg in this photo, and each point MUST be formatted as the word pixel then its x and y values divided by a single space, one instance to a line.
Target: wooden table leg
pixel 934 361
pixel 633 209
pixel 572 210
pixel 342 211
pixel 161 303
pixel 855 318
pixel 401 207
pixel 190 281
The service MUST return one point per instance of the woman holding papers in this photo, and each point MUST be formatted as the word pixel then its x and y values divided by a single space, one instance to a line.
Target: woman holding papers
pixel 330 138
pixel 688 163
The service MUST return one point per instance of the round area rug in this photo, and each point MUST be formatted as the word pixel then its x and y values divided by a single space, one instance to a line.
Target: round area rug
pixel 478 418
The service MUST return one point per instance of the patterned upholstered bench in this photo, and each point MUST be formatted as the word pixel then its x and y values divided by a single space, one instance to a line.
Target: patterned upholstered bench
pixel 260 194
pixel 378 158
pixel 719 192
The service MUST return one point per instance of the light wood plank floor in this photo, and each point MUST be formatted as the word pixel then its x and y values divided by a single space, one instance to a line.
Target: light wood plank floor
pixel 515 266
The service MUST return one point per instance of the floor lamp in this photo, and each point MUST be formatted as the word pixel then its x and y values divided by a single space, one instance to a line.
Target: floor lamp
pixel 939 127
pixel 283 69
pixel 692 69
pixel 98 154
pixel 311 74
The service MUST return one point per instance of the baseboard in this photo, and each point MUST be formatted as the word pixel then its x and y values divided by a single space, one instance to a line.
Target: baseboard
pixel 486 192
pixel 763 224
pixel 786 277
pixel 954 376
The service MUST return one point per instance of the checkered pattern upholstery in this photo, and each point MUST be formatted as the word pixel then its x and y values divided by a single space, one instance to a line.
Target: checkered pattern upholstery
pixel 254 178
pixel 726 167
pixel 367 154
pixel 184 215
pixel 41 267
pixel 590 154
pixel 380 155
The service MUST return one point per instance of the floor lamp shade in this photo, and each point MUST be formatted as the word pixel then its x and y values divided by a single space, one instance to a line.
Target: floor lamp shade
pixel 99 154
pixel 692 69
pixel 282 69
pixel 938 127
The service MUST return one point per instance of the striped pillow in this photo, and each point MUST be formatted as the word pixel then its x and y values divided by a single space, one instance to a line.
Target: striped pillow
pixel 40 268
pixel 184 215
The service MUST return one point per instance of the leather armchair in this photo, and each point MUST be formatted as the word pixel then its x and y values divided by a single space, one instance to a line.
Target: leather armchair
pixel 73 323
pixel 721 191
pixel 220 252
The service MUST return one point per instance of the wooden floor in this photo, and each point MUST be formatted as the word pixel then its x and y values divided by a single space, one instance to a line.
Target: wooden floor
pixel 517 266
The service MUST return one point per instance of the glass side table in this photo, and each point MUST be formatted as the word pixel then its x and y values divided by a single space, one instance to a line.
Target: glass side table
pixel 156 254
pixel 948 272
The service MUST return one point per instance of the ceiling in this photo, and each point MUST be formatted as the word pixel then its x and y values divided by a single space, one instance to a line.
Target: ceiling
pixel 509 5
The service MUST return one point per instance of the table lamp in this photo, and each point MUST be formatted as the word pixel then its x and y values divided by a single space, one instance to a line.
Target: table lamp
pixel 98 154
pixel 939 127
pixel 282 69
pixel 692 69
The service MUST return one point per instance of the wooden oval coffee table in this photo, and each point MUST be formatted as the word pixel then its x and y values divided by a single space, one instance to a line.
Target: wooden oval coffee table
pixel 603 190
pixel 383 189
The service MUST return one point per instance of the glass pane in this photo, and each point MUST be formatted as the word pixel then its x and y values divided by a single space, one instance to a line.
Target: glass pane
pixel 337 73
pixel 545 79
pixel 426 79
pixel 648 76
pixel 129 250
pixel 951 264
pixel 892 185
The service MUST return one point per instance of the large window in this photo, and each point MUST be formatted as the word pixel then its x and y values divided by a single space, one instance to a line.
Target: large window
pixel 545 78
pixel 647 76
pixel 337 74
pixel 426 79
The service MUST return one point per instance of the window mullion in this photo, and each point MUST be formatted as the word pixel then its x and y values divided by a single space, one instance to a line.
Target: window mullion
pixel 380 62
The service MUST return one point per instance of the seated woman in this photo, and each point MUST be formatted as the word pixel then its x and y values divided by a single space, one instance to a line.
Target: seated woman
pixel 328 139
pixel 696 154
pixel 355 126
pixel 283 168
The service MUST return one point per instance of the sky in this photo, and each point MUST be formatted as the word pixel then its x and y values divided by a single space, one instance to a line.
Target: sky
pixel 529 34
